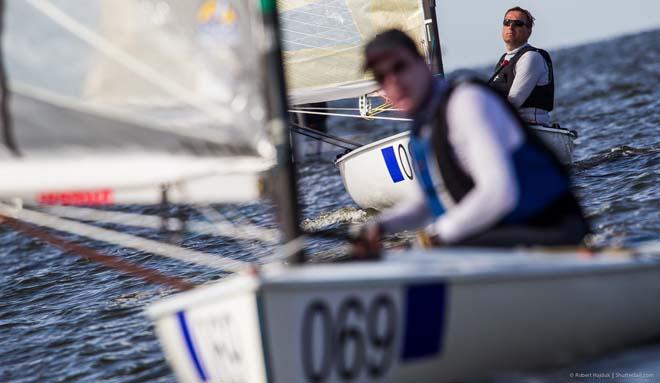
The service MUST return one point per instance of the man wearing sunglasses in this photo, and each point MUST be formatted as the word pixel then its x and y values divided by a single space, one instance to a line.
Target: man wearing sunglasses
pixel 485 180
pixel 524 73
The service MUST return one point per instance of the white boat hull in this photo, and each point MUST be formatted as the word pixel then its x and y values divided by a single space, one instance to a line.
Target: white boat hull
pixel 425 317
pixel 561 141
pixel 378 175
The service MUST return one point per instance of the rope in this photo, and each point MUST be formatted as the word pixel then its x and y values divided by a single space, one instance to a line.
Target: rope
pixel 386 107
pixel 351 109
pixel 351 115
pixel 123 239
pixel 301 108
pixel 324 137
pixel 219 227
pixel 96 256
pixel 303 133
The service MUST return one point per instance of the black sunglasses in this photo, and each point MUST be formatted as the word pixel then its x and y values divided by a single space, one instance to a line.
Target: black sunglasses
pixel 398 67
pixel 514 23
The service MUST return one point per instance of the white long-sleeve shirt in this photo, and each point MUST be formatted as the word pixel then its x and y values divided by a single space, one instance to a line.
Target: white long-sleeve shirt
pixel 483 135
pixel 531 70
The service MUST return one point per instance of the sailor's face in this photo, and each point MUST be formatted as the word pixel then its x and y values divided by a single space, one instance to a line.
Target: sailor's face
pixel 404 78
pixel 516 34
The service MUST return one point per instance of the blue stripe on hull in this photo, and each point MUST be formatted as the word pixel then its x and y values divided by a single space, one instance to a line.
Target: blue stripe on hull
pixel 425 315
pixel 183 324
pixel 392 164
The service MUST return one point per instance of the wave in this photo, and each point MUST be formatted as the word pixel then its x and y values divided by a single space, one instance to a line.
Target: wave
pixel 614 154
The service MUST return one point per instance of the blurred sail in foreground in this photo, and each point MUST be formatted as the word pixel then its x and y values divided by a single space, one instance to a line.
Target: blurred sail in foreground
pixel 121 101
pixel 323 41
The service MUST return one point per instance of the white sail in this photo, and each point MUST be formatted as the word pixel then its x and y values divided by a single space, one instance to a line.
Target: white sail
pixel 135 97
pixel 323 42
pixel 329 93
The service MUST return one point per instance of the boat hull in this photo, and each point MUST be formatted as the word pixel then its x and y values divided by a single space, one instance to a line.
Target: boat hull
pixel 422 317
pixel 378 175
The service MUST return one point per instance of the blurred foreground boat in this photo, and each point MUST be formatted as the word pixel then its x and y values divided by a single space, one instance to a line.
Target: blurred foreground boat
pixel 438 316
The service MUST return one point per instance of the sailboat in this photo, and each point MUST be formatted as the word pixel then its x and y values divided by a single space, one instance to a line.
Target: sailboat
pixel 91 119
pixel 430 315
pixel 421 315
pixel 378 174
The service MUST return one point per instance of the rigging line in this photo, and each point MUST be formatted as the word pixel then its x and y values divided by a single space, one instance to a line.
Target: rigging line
pixel 220 224
pixel 123 239
pixel 298 244
pixel 128 61
pixel 383 108
pixel 319 136
pixel 220 228
pixel 303 108
pixel 352 116
pixel 112 262
pixel 318 108
pixel 7 127
pixel 312 136
pixel 326 135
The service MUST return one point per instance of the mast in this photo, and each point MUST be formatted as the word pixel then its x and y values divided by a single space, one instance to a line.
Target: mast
pixel 433 37
pixel 286 191
pixel 5 120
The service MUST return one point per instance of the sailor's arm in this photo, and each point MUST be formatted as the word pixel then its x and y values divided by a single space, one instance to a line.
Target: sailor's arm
pixel 483 131
pixel 531 70
pixel 411 213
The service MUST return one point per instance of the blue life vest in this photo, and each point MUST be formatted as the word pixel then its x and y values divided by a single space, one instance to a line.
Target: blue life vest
pixel 542 179
pixel 420 150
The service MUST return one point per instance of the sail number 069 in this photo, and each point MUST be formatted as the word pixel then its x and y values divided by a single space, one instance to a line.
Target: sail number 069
pixel 355 337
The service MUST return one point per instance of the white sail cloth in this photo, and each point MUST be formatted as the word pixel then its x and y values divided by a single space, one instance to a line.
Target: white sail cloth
pixel 323 42
pixel 135 97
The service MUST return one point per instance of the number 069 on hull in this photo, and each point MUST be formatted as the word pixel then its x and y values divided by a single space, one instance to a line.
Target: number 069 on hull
pixel 284 331
pixel 422 317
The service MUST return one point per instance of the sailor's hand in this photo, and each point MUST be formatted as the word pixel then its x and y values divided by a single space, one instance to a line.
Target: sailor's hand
pixel 366 243
pixel 436 241
pixel 383 95
pixel 428 238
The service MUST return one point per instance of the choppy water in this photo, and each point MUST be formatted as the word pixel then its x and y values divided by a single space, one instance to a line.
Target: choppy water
pixel 63 319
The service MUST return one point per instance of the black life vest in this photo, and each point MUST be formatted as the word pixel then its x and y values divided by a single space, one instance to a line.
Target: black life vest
pixel 542 97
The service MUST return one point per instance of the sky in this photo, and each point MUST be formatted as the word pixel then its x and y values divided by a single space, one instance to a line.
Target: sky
pixel 470 29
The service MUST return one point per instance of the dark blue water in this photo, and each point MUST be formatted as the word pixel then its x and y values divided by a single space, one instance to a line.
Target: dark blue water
pixel 63 319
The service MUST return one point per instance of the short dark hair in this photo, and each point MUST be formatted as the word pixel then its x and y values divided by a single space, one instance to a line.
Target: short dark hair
pixel 385 42
pixel 528 15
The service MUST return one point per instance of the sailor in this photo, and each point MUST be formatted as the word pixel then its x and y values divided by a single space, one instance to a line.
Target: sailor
pixel 524 73
pixel 484 179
